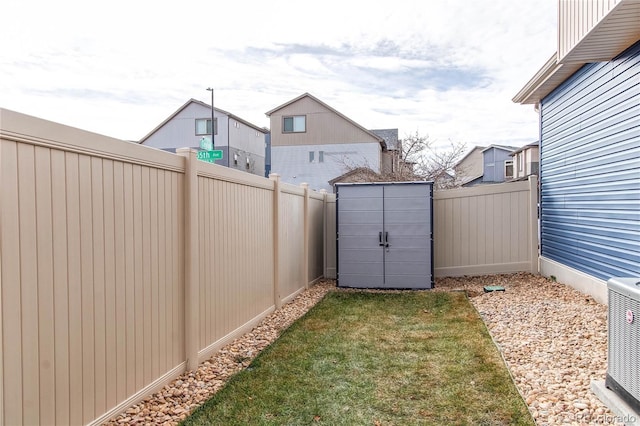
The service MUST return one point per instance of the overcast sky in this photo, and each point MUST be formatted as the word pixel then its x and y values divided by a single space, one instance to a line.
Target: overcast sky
pixel 445 68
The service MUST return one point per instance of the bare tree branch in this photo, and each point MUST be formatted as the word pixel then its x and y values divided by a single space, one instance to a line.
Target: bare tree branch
pixel 417 159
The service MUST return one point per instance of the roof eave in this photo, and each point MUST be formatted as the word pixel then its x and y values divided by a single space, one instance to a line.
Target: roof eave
pixel 607 39
pixel 525 95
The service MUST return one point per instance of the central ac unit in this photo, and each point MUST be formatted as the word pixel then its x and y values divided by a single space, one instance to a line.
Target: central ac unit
pixel 623 369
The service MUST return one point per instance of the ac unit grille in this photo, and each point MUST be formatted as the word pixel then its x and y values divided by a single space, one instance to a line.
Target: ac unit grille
pixel 624 339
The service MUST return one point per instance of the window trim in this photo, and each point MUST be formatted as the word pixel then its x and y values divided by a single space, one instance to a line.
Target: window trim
pixel 293 117
pixel 208 119
pixel 508 163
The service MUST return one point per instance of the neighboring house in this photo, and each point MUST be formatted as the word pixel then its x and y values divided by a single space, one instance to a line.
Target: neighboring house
pixel 312 142
pixel 392 155
pixel 243 144
pixel 497 163
pixel 470 167
pixel 526 161
pixel 588 98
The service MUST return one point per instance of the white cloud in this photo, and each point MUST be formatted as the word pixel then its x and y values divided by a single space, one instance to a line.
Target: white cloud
pixel 446 68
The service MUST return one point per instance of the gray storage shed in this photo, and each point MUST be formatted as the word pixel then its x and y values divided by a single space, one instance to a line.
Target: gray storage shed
pixel 385 235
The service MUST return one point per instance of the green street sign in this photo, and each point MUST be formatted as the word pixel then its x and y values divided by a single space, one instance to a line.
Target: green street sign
pixel 210 156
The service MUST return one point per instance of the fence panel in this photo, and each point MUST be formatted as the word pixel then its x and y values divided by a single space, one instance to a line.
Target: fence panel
pixel 89 271
pixel 291 241
pixel 330 248
pixel 123 265
pixel 235 224
pixel 316 236
pixel 486 229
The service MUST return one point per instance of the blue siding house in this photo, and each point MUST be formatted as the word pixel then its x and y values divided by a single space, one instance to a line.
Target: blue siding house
pixel 589 113
pixel 497 163
pixel 496 167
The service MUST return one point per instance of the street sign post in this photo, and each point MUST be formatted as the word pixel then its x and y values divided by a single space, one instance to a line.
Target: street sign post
pixel 210 156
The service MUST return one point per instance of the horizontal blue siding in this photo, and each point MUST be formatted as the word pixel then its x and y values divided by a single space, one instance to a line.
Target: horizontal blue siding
pixel 590 169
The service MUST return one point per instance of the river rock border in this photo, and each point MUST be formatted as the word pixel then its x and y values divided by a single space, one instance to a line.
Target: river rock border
pixel 552 338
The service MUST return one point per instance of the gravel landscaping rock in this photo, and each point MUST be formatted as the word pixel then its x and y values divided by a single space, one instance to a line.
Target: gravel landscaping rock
pixel 177 399
pixel 553 339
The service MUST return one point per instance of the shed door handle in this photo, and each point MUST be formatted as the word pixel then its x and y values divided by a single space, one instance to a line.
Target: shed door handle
pixel 386 239
pixel 380 243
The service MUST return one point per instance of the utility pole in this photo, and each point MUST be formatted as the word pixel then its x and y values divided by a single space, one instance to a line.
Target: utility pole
pixel 213 122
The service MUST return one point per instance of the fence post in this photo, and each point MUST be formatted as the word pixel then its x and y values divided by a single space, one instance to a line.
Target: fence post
pixel 533 226
pixel 305 249
pixel 324 232
pixel 277 300
pixel 191 264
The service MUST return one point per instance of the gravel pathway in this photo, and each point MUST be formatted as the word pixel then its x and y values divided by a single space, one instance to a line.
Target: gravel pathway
pixel 553 338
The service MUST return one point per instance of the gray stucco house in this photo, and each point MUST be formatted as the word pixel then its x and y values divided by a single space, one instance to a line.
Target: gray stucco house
pixel 243 144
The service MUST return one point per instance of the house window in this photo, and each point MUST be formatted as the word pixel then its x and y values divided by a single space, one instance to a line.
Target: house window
pixel 311 156
pixel 203 126
pixel 294 124
pixel 320 156
pixel 508 169
pixel 235 159
pixel 248 164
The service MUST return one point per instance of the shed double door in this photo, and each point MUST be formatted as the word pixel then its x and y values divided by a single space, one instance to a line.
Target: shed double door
pixel 385 235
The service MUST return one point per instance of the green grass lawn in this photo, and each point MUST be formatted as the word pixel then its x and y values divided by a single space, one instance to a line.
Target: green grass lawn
pixel 361 358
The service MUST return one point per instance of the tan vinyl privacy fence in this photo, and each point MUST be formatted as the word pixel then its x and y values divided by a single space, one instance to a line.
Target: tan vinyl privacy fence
pixel 486 229
pixel 122 266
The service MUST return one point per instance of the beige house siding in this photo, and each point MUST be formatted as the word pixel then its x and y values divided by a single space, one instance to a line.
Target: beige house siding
pixel 323 126
pixel 331 145
pixel 603 21
pixel 471 166
pixel 524 161
pixel 576 18
pixel 122 266
pixel 588 31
